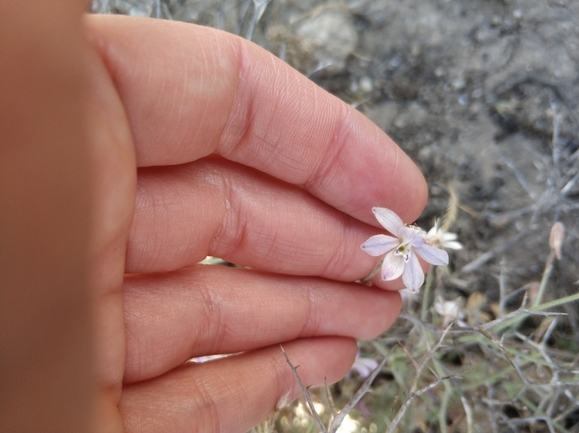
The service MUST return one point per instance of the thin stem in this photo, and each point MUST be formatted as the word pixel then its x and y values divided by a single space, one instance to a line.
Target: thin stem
pixel 411 397
pixel 426 294
pixel 544 279
pixel 373 272
pixel 556 302
pixel 444 408
pixel 304 392
pixel 338 418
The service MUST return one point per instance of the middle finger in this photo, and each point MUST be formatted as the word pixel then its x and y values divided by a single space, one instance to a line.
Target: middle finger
pixel 219 208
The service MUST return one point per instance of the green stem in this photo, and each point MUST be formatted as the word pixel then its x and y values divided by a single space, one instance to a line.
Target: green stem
pixel 544 279
pixel 556 302
pixel 373 272
pixel 426 295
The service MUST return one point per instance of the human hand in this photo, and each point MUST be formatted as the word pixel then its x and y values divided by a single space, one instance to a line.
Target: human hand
pixel 204 144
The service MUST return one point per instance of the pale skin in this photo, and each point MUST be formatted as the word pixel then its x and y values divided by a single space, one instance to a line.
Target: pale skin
pixel 201 144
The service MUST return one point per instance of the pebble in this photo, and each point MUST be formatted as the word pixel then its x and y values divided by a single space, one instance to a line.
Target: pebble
pixel 329 37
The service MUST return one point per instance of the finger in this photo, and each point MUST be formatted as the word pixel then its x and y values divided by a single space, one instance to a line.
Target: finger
pixel 195 90
pixel 171 231
pixel 236 393
pixel 219 208
pixel 208 310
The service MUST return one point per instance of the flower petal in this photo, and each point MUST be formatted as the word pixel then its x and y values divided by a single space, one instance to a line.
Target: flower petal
pixel 413 277
pixel 452 245
pixel 448 236
pixel 379 244
pixel 433 255
pixel 393 266
pixel 364 366
pixel 388 219
pixel 417 241
pixel 407 234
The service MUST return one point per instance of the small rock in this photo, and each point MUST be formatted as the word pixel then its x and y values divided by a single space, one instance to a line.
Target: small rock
pixel 416 49
pixel 414 114
pixel 327 38
pixel 138 8
pixel 458 83
pixel 366 84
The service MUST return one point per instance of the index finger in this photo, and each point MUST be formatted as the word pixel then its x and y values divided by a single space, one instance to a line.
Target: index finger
pixel 190 91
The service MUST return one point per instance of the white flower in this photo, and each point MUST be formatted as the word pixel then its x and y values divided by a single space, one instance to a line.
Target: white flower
pixel 400 250
pixel 408 296
pixel 439 238
pixel 450 311
pixel 364 366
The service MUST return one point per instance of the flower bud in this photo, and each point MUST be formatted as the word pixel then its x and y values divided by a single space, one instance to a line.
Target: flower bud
pixel 556 238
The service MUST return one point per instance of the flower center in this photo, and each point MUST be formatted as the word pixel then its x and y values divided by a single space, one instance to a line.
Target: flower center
pixel 404 251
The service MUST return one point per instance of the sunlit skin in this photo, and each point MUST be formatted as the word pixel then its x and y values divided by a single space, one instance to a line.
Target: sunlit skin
pixel 203 144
